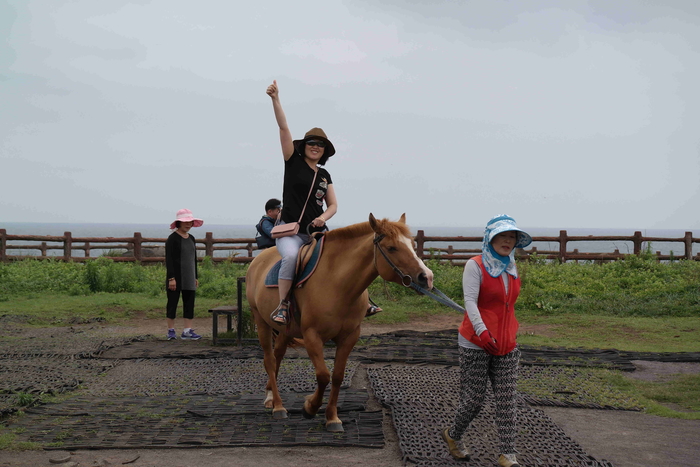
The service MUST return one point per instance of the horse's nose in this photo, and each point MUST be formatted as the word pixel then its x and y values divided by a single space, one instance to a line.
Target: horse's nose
pixel 423 280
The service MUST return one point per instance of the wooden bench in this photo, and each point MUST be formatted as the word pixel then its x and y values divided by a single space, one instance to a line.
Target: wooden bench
pixel 229 311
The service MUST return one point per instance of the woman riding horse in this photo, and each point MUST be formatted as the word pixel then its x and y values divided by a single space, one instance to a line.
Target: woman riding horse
pixel 333 302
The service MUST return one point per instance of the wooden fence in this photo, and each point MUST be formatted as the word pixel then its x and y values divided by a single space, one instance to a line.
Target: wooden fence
pixel 241 250
pixel 562 254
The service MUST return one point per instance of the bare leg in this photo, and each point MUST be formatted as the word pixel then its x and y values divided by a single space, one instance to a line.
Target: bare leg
pixel 285 286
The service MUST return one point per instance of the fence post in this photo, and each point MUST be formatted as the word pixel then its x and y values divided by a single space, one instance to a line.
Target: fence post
pixel 138 238
pixel 87 249
pixel 67 246
pixel 3 249
pixel 688 239
pixel 43 250
pixel 420 244
pixel 562 245
pixel 209 245
pixel 637 242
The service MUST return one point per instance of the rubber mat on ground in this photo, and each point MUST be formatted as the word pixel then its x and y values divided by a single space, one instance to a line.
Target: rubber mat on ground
pixel 154 377
pixel 49 375
pixel 62 341
pixel 423 403
pixel 195 421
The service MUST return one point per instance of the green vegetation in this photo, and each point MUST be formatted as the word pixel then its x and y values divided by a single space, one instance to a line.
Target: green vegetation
pixel 51 292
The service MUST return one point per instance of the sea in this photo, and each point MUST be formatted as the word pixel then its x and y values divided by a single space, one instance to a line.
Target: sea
pixel 248 231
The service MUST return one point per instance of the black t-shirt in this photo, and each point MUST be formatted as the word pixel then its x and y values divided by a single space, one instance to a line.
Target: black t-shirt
pixel 297 181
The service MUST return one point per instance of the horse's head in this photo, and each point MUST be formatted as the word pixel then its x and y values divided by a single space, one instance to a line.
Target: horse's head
pixel 395 256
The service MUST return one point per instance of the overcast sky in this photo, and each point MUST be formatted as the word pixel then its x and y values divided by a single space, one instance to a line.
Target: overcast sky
pixel 584 115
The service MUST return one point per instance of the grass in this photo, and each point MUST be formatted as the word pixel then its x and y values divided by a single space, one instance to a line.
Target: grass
pixel 677 396
pixel 639 334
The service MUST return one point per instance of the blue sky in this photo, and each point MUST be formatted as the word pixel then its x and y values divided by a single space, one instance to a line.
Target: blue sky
pixel 584 115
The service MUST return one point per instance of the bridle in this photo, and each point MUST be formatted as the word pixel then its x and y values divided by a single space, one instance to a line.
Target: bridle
pixel 406 280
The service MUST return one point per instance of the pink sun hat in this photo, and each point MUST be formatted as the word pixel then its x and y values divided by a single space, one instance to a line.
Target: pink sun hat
pixel 185 215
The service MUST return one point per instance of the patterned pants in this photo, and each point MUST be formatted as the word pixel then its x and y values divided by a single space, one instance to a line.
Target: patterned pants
pixel 476 367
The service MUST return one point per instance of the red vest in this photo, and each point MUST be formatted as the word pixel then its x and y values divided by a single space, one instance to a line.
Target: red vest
pixel 497 310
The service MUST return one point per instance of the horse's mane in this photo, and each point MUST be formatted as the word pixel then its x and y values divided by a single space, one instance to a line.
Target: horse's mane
pixel 389 228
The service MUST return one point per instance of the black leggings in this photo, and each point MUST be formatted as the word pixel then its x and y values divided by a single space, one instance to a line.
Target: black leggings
pixel 187 303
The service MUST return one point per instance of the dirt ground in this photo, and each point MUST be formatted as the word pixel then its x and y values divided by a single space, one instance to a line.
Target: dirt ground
pixel 627 439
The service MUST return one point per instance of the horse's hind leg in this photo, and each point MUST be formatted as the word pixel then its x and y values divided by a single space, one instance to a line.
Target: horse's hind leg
pixel 342 353
pixel 272 399
pixel 314 347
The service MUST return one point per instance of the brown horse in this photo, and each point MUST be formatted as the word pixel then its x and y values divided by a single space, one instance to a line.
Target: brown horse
pixel 333 302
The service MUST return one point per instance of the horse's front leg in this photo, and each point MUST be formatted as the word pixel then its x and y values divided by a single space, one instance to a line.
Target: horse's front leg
pixel 342 353
pixel 314 348
pixel 272 396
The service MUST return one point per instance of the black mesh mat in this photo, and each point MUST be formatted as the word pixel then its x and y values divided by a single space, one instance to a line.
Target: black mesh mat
pixel 195 421
pixel 154 349
pixel 151 377
pixel 48 375
pixel 440 347
pixel 430 396
pixel 62 342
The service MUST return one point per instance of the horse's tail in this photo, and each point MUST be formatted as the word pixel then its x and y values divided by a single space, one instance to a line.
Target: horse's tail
pixel 296 343
pixel 293 343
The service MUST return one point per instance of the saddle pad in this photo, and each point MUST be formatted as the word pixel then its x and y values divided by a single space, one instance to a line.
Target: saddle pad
pixel 272 277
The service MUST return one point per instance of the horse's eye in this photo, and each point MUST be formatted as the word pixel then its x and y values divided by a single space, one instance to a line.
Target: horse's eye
pixel 392 249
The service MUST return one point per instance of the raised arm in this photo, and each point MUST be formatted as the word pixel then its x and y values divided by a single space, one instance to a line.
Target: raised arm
pixel 285 134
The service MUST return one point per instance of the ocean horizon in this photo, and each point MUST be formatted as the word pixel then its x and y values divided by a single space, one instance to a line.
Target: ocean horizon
pixel 248 231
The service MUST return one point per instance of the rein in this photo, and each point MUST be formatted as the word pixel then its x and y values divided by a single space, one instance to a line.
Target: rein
pixel 407 281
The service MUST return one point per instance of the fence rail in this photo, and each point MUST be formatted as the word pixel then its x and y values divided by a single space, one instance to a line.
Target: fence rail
pixel 242 250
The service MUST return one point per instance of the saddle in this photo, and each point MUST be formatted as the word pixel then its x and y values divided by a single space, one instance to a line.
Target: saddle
pixel 307 260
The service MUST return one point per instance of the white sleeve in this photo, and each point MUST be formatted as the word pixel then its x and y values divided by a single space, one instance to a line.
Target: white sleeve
pixel 471 284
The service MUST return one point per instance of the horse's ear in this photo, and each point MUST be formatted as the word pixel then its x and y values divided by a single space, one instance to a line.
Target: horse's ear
pixel 403 218
pixel 372 221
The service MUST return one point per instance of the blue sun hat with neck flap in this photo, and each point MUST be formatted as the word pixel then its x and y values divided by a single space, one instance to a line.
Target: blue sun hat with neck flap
pixel 494 263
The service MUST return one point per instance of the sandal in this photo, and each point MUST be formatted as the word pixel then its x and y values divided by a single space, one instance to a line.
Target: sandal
pixel 372 310
pixel 280 314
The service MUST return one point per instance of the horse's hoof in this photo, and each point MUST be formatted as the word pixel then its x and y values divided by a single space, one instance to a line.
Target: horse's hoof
pixel 306 414
pixel 335 427
pixel 280 414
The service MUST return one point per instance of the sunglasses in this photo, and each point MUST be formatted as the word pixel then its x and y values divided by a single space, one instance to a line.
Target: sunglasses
pixel 313 142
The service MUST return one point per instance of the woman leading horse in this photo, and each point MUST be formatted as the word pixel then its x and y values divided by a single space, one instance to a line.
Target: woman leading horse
pixel 333 302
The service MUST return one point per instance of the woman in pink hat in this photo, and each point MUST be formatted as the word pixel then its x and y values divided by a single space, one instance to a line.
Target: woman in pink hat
pixel 181 264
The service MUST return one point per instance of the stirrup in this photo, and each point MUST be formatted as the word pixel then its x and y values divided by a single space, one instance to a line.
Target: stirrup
pixel 280 314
